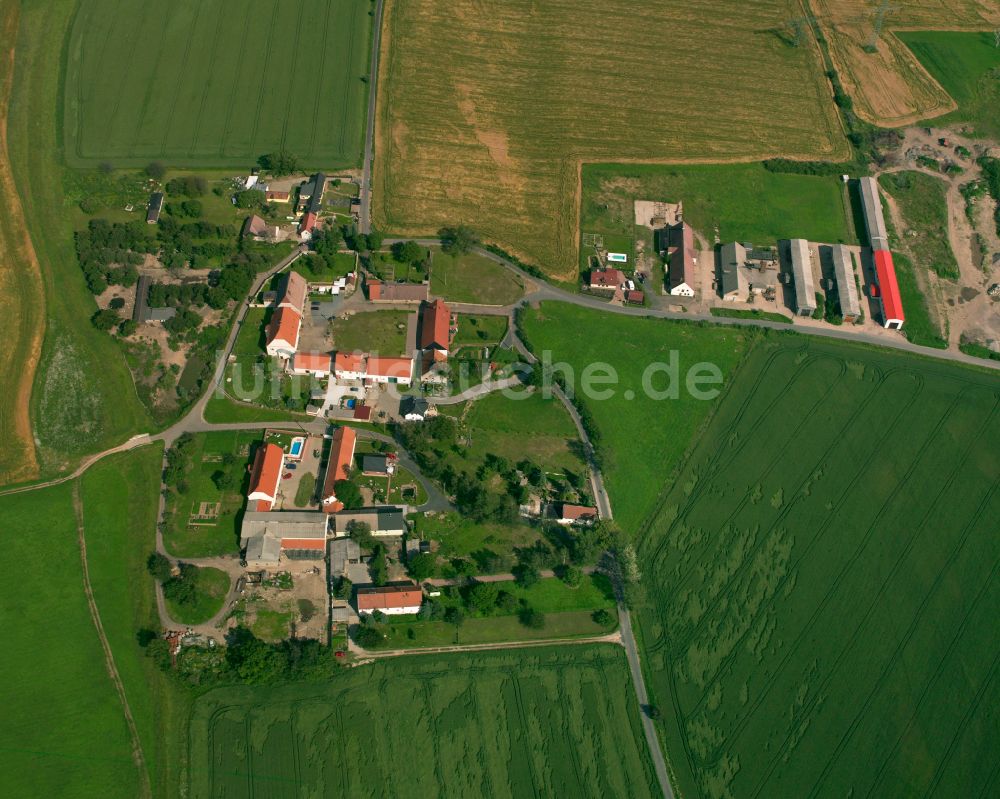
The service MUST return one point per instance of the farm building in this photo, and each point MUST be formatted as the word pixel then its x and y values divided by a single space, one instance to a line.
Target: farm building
pixel 871 204
pixel 298 535
pixel 733 285
pixel 338 467
pixel 317 364
pixel 435 329
pixel 344 552
pixel 349 365
pixel 397 292
pixel 577 514
pixel 802 277
pixel 384 520
pixel 635 297
pixel 888 290
pixel 141 312
pixel 311 193
pixel 682 261
pixel 308 225
pixel 277 196
pixel 362 412
pixel 265 475
pixel 154 207
pixel 283 333
pixel 255 227
pixel 294 292
pixel 414 409
pixel 392 600
pixel 606 279
pixel 847 287
pixel 397 371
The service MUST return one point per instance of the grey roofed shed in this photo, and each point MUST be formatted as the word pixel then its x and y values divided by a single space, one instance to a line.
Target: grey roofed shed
pixel 383 520
pixel 802 276
pixel 375 464
pixel 871 204
pixel 343 551
pixel 847 288
pixel 732 281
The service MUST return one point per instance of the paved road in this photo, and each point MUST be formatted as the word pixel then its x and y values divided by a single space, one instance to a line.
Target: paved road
pixel 481 390
pixel 365 214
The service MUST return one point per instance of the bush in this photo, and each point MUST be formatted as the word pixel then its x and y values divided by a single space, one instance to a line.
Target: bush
pixel 90 205
pixel 532 618
pixel 117 303
pixel 307 610
pixel 156 170
pixel 369 637
pixel 159 566
pixel 603 617
pixel 105 319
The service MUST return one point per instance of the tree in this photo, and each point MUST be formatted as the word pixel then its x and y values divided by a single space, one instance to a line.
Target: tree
pixel 159 566
pixel 483 597
pixel 225 480
pixel 117 303
pixel 526 575
pixel 454 615
pixel 408 252
pixel 603 617
pixel 421 566
pixel 360 533
pixel 377 567
pixel 369 637
pixel 156 170
pixel 145 636
pixel 279 163
pixel 348 493
pixel 570 575
pixel 249 198
pixel 532 618
pixel 159 651
pixel 507 602
pixel 307 609
pixel 105 319
pixel 128 328
pixel 373 241
pixel 457 240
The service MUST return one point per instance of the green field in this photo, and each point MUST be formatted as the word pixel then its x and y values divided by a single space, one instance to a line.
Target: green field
pixel 744 201
pixel 216 83
pixel 923 203
pixel 644 439
pixel 473 278
pixel 819 577
pixel 64 731
pixel 966 65
pixel 535 722
pixel 376 332
pixel 479 330
pixel 752 313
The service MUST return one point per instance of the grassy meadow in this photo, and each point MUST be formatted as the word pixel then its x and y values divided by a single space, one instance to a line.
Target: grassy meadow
pixel 213 83
pixel 495 134
pixel 966 65
pixel 922 201
pixel 819 576
pixel 644 439
pixel 376 332
pixel 527 722
pixel 473 278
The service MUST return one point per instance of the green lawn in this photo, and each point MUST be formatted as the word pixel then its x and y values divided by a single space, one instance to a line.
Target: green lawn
pixel 211 593
pixel 644 439
pixel 271 625
pixel 546 721
pixel 920 327
pixel 63 730
pixel 479 330
pixel 382 332
pixel 819 576
pixel 473 278
pixel 459 537
pixel 401 478
pixel 186 537
pixel 750 313
pixel 552 595
pixel 966 65
pixel 385 266
pixel 120 520
pixel 922 201
pixel 745 201
pixel 83 398
pixel 137 87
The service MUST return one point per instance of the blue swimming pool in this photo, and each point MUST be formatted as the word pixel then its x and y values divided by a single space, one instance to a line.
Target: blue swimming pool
pixel 351 403
pixel 296 449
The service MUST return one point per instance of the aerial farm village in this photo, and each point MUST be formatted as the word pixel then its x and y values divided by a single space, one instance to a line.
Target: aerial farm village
pixel 402 401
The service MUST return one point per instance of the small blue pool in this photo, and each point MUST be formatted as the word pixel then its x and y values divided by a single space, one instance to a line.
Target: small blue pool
pixel 295 450
pixel 351 403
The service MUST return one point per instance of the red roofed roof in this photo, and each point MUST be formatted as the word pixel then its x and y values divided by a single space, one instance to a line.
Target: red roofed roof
pixel 363 412
pixel 885 274
pixel 263 506
pixel 341 459
pixel 435 321
pixel 349 362
pixel 606 278
pixel 635 296
pixel 284 326
pixel 389 596
pixel 578 512
pixel 390 367
pixel 265 474
pixel 303 543
pixel 308 222
pixel 312 361
pixel 375 289
pixel 281 196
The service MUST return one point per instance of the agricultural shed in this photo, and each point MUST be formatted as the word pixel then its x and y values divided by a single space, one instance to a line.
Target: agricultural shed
pixel 435 329
pixel 732 281
pixel 390 370
pixel 802 277
pixel 384 520
pixel 154 208
pixel 376 465
pixel 392 600
pixel 265 476
pixel 318 364
pixel 871 204
pixel 892 303
pixel 283 333
pixel 681 268
pixel 349 365
pixel 847 287
pixel 297 534
pixel 337 467
pixel 577 514
pixel 343 551
pixel 397 292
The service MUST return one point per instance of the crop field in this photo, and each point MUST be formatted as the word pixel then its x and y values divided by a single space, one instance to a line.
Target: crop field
pixel 495 134
pixel 535 722
pixel 966 65
pixel 216 82
pixel 643 439
pixel 890 86
pixel 820 576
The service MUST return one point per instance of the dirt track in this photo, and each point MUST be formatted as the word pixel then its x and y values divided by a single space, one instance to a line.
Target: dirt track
pixel 23 322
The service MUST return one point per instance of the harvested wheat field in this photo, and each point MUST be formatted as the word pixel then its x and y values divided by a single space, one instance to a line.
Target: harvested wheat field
pixel 22 323
pixel 889 86
pixel 487 111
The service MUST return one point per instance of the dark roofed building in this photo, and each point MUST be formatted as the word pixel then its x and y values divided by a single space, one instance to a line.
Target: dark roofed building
pixel 681 268
pixel 413 409
pixel 379 465
pixel 154 207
